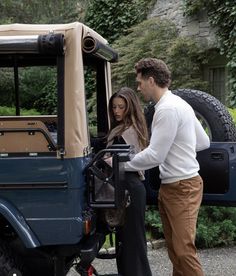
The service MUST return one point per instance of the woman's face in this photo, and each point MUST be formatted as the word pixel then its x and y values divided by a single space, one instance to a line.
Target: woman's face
pixel 118 108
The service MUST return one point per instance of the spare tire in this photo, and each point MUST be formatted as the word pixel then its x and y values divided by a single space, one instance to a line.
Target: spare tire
pixel 213 115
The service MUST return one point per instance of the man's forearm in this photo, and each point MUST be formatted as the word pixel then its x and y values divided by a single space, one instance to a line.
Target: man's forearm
pixel 160 143
pixel 144 160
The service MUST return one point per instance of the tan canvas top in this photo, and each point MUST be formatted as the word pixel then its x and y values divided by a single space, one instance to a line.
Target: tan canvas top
pixel 76 129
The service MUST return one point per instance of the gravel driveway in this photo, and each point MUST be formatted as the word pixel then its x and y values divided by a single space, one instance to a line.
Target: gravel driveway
pixel 216 262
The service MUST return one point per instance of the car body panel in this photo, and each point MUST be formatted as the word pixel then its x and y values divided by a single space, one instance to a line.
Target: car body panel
pixel 218 170
pixel 49 195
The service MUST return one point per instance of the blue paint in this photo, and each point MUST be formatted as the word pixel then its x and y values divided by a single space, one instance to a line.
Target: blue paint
pixel 228 198
pixel 53 215
pixel 17 221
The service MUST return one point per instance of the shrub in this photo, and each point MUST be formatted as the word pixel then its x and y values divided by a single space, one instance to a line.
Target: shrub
pixel 185 60
pixel 153 223
pixel 44 11
pixel 159 38
pixel 232 112
pixel 38 89
pixel 7 87
pixel 11 111
pixel 47 102
pixel 216 226
pixel 112 18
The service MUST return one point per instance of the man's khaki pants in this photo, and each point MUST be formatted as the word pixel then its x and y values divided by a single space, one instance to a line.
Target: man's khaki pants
pixel 179 204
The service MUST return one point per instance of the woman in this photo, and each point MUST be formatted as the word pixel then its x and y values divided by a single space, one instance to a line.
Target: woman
pixel 128 126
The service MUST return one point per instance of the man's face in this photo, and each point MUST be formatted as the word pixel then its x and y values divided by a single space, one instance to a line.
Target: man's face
pixel 144 86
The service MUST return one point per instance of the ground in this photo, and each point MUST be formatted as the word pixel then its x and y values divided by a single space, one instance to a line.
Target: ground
pixel 216 262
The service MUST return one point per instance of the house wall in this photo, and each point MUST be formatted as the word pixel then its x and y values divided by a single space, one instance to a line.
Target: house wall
pixel 193 26
pixel 199 28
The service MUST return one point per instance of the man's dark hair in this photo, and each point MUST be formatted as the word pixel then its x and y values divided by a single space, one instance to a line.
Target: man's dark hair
pixel 156 68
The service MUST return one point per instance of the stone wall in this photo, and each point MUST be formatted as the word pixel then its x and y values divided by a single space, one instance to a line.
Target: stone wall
pixel 197 27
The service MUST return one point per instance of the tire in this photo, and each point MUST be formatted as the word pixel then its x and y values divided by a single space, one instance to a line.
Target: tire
pixel 9 263
pixel 212 112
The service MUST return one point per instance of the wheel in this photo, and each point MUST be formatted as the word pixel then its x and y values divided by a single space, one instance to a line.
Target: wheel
pixel 213 115
pixel 35 262
pixel 9 263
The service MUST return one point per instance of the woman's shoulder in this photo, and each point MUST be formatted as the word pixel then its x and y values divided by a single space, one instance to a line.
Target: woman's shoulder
pixel 130 136
pixel 130 131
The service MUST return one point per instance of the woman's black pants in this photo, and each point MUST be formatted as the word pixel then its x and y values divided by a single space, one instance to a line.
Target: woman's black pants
pixel 131 237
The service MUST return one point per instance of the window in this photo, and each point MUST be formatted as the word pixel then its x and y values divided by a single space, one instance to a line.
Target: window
pixel 96 96
pixel 217 83
pixel 28 106
pixel 90 76
pixel 36 95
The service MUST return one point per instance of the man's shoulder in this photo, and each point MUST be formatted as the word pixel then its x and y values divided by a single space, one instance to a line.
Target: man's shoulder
pixel 176 106
pixel 174 102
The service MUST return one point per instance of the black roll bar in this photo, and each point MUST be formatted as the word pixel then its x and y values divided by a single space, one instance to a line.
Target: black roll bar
pixel 49 44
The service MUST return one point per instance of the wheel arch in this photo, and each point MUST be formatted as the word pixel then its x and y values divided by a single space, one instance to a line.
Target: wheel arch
pixel 17 221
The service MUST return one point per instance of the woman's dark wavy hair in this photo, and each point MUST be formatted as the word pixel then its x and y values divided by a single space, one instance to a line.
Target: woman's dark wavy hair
pixel 133 116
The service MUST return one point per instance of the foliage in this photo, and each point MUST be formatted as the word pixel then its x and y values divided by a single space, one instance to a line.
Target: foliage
pixel 222 16
pixel 90 88
pixel 185 60
pixel 44 11
pixel 11 111
pixel 109 242
pixel 159 38
pixel 153 222
pixel 112 18
pixel 7 87
pixel 232 112
pixel 38 89
pixel 216 226
pixel 47 102
pixel 37 85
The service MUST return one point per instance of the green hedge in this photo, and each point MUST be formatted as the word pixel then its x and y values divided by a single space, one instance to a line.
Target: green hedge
pixel 232 112
pixel 216 226
pixel 11 111
pixel 159 38
pixel 37 89
pixel 112 18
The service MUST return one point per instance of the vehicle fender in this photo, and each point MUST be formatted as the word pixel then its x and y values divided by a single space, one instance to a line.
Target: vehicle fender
pixel 19 224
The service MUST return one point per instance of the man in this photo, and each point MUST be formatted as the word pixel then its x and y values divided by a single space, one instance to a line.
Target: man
pixel 176 137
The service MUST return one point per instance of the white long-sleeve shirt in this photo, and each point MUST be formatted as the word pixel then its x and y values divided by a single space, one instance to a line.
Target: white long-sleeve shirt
pixel 176 137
